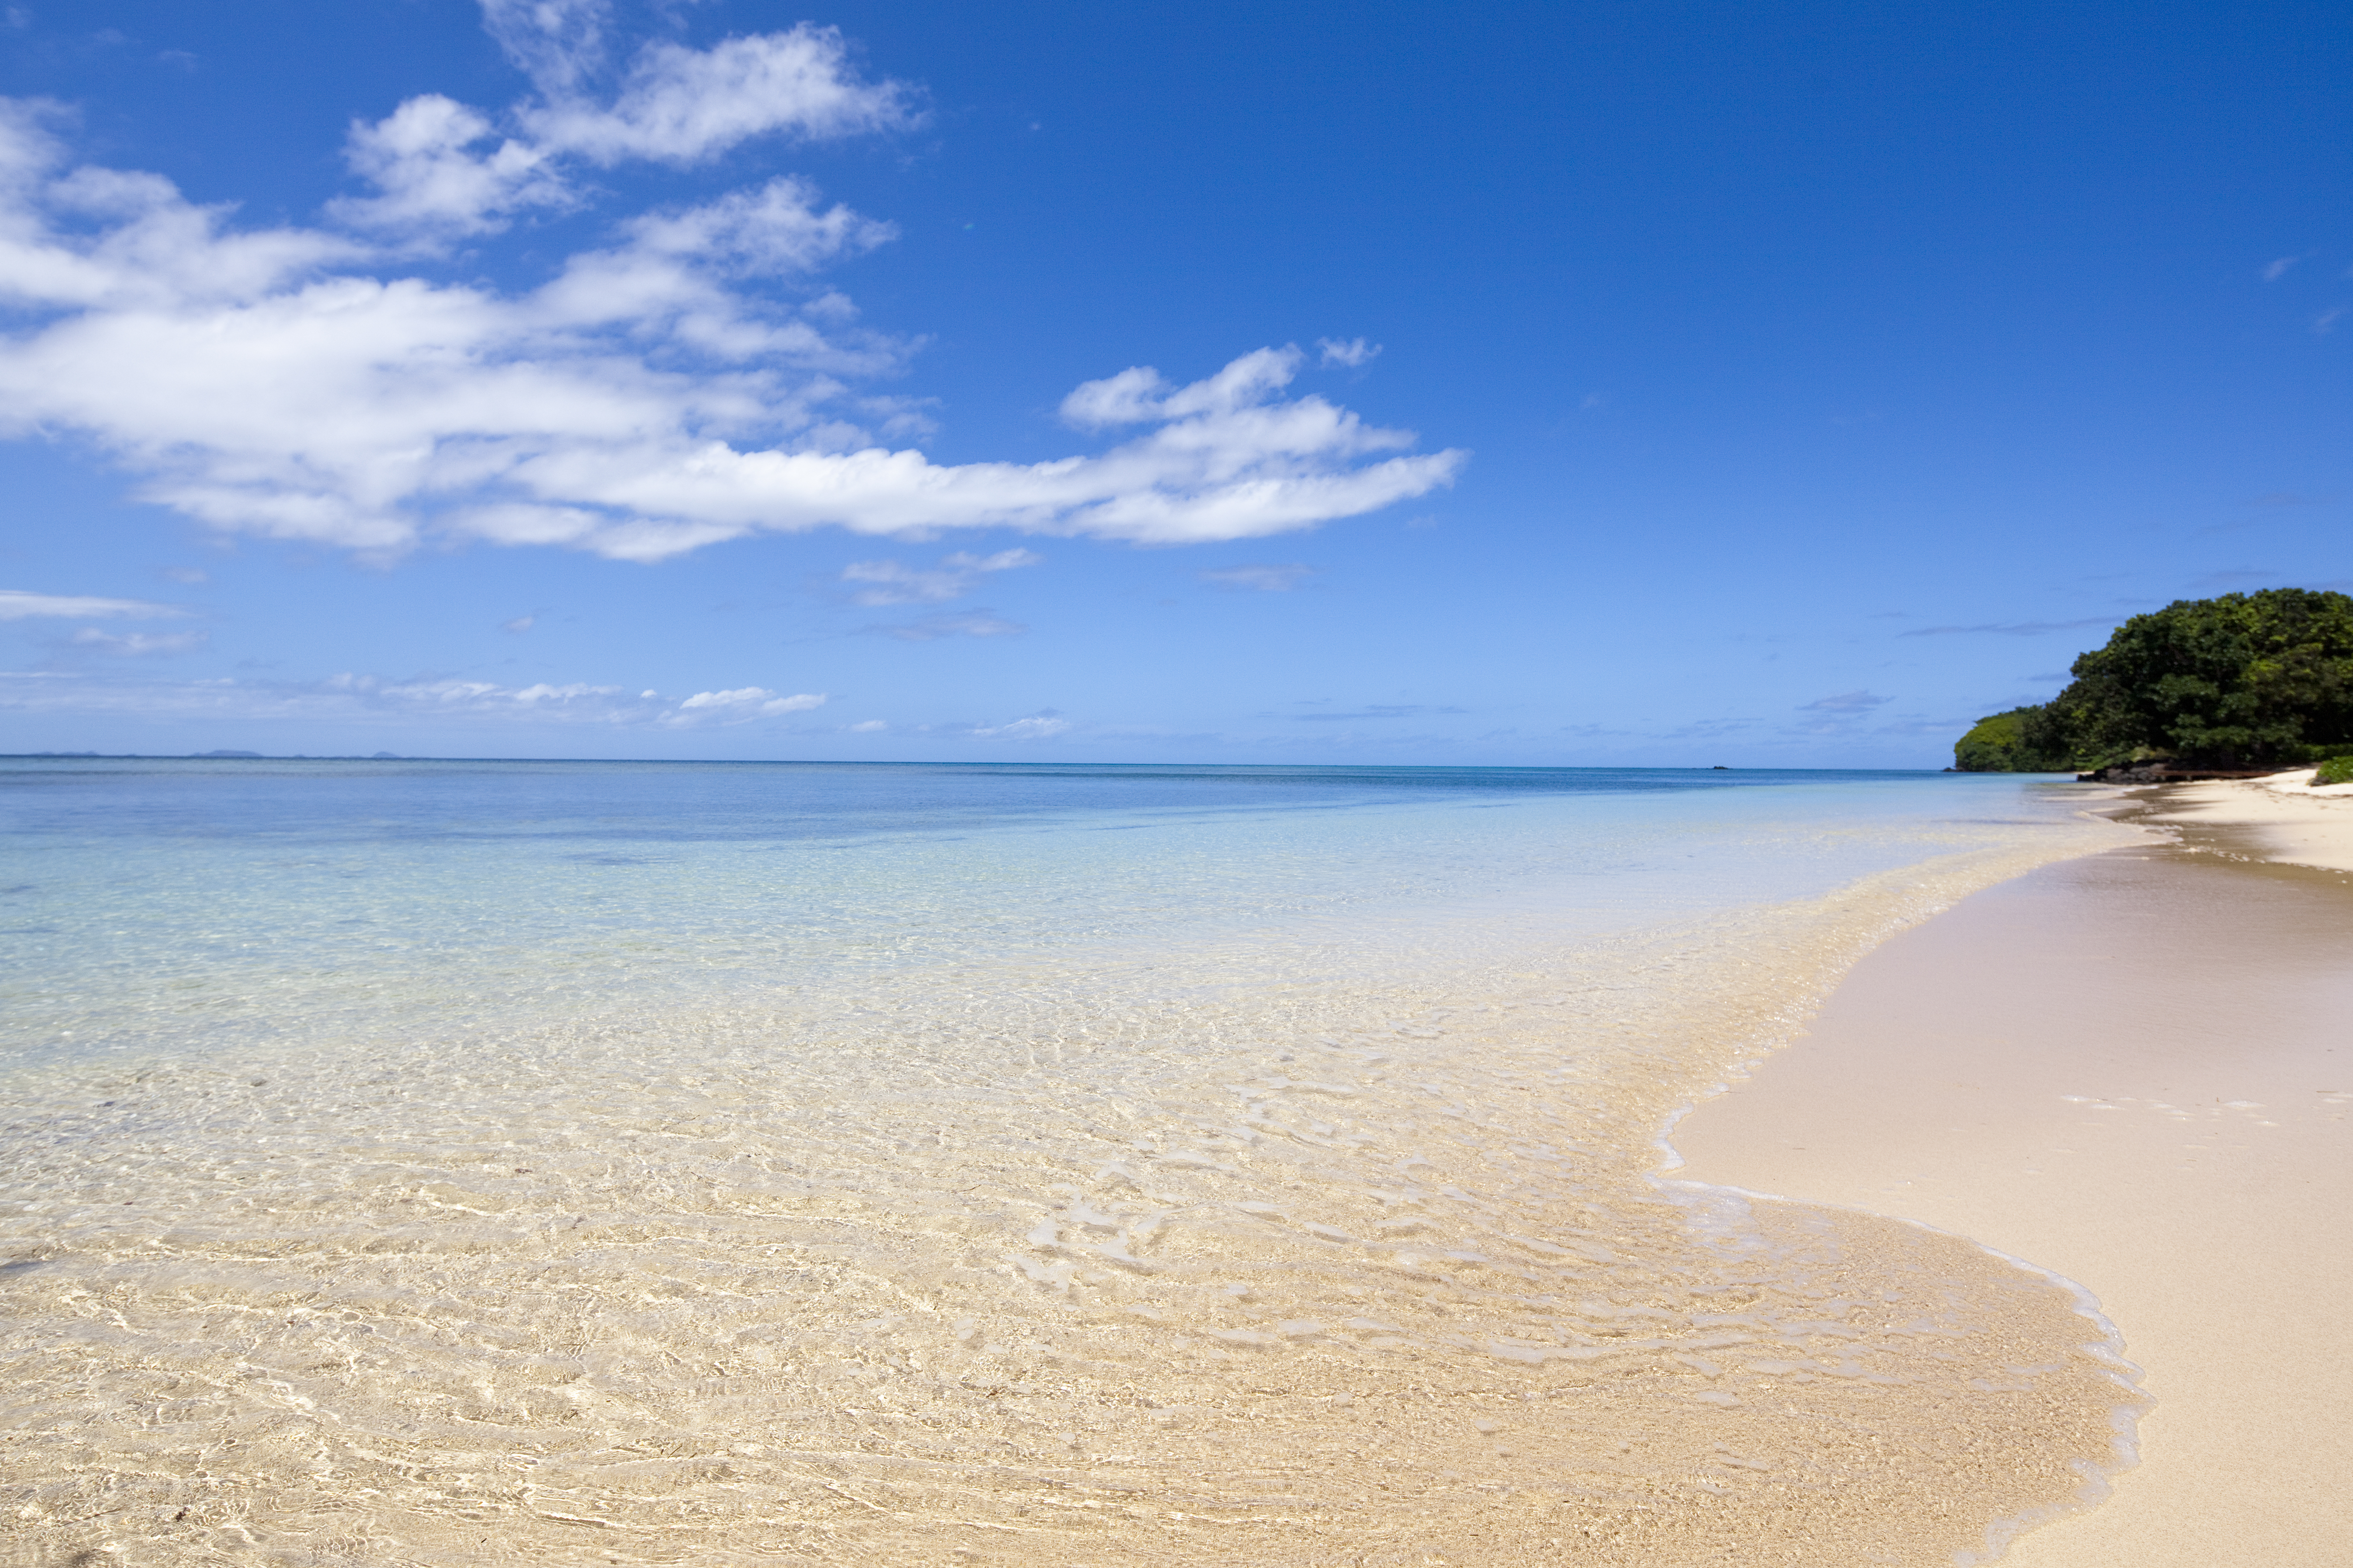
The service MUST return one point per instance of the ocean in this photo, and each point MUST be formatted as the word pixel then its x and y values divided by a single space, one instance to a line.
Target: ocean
pixel 650 1163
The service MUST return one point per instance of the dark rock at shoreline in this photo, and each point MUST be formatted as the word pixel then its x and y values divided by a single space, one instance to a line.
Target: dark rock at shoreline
pixel 2157 772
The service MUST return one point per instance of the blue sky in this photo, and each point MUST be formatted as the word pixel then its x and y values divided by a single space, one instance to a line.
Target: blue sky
pixel 1582 383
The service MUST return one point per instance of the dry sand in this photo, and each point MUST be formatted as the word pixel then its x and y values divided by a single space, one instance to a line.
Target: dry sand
pixel 2282 817
pixel 2136 1070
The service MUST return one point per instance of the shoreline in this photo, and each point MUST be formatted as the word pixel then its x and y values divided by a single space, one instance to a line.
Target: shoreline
pixel 2280 818
pixel 1178 1243
pixel 2110 1071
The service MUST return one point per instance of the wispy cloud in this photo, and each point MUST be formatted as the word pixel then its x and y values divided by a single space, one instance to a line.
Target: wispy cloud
pixel 1710 729
pixel 1262 579
pixel 520 624
pixel 2236 579
pixel 888 582
pixel 2326 322
pixel 1844 702
pixel 1042 725
pixel 1376 710
pixel 16 605
pixel 133 644
pixel 2273 270
pixel 2008 628
pixel 681 380
pixel 977 622
pixel 1038 727
pixel 1353 352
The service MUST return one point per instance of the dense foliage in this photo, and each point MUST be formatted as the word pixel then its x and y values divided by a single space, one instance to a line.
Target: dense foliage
pixel 1997 745
pixel 2335 771
pixel 2242 680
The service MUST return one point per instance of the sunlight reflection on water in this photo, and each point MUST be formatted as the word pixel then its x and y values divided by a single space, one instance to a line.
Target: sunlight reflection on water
pixel 597 1163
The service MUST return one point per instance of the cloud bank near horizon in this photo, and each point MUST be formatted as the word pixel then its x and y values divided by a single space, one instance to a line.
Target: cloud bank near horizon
pixel 452 699
pixel 685 380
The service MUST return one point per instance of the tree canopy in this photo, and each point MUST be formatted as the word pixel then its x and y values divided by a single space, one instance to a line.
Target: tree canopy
pixel 2242 680
pixel 1996 745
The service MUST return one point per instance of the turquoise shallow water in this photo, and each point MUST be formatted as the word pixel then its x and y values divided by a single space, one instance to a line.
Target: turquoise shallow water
pixel 212 906
pixel 709 1163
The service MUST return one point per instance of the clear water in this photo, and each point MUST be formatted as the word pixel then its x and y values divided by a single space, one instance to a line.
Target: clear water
pixel 588 1163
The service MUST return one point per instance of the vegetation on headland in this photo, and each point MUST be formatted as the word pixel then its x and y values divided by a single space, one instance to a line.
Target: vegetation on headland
pixel 1997 745
pixel 2245 681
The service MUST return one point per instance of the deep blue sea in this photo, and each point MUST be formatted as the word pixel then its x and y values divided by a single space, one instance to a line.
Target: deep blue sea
pixel 424 1161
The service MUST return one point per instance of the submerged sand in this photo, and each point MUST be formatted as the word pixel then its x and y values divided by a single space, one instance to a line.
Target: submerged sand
pixel 2131 1070
pixel 1375 1278
pixel 1097 1268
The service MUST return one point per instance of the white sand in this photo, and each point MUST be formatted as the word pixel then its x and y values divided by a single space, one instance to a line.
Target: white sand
pixel 2136 1070
pixel 2284 817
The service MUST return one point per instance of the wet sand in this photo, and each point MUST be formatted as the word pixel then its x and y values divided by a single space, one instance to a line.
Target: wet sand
pixel 2133 1069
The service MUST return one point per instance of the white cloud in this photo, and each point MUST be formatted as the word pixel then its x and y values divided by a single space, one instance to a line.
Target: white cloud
pixel 519 623
pixel 674 386
pixel 869 726
pixel 187 574
pixel 1352 353
pixel 1038 727
pixel 442 168
pixel 129 643
pixel 679 105
pixel 745 702
pixel 16 605
pixel 430 165
pixel 1141 395
pixel 1263 579
pixel 888 582
pixel 2275 270
pixel 106 243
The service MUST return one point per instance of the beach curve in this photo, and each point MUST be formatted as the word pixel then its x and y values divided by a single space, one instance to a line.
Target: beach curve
pixel 2115 1067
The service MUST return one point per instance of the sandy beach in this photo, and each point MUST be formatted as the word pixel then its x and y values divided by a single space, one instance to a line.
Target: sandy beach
pixel 2129 1069
pixel 2284 817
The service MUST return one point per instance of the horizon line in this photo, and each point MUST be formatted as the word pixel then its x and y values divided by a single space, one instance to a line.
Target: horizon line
pixel 931 763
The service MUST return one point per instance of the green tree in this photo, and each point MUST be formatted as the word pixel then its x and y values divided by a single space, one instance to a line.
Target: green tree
pixel 1997 744
pixel 2242 680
